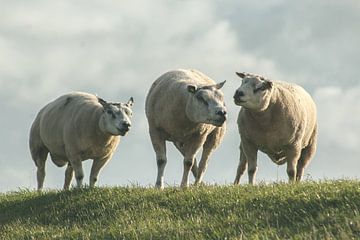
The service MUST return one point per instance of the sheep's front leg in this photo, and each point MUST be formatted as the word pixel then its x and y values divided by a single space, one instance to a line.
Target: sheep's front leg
pixel 212 141
pixel 190 150
pixel 194 168
pixel 207 150
pixel 241 168
pixel 188 163
pixel 203 164
pixel 97 165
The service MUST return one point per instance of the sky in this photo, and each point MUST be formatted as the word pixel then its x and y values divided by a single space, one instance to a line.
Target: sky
pixel 116 49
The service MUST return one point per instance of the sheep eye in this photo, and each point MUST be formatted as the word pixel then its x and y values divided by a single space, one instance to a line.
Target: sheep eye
pixel 258 89
pixel 111 113
pixel 128 113
pixel 201 99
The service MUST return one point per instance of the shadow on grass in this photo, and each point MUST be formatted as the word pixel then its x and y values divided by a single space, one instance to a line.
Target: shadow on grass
pixel 45 208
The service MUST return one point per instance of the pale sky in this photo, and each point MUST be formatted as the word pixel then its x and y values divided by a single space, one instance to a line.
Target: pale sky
pixel 116 49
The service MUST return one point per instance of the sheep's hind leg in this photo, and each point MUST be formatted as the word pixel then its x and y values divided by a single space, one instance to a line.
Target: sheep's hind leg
pixel 241 168
pixel 159 146
pixel 69 173
pixel 306 155
pixel 79 172
pixel 40 160
pixel 250 153
pixel 195 169
pixel 292 158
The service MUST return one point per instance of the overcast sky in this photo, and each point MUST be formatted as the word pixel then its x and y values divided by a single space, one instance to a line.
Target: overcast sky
pixel 116 49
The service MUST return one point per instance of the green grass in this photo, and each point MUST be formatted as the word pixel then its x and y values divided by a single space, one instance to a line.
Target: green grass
pixel 310 210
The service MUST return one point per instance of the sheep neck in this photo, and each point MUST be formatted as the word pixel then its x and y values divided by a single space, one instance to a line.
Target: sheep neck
pixel 266 116
pixel 101 132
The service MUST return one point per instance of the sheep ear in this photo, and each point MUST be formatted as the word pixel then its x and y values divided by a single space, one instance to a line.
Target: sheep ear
pixel 264 86
pixel 220 85
pixel 241 75
pixel 191 88
pixel 267 85
pixel 103 103
pixel 130 102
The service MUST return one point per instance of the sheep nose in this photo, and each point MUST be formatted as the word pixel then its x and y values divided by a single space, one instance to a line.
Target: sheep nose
pixel 126 125
pixel 221 112
pixel 239 94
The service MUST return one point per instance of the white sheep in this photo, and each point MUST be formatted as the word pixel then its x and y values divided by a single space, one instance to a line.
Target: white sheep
pixel 187 108
pixel 75 127
pixel 277 118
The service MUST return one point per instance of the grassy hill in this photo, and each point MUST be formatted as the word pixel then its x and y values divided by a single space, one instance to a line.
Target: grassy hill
pixel 311 210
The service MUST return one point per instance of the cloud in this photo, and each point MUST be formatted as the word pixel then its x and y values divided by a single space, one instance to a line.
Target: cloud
pixel 52 48
pixel 339 117
pixel 313 43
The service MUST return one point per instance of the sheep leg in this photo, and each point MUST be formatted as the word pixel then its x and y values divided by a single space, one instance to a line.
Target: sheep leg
pixel 188 163
pixel 212 141
pixel 207 150
pixel 190 150
pixel 306 155
pixel 159 146
pixel 160 150
pixel 69 173
pixel 203 165
pixel 250 153
pixel 97 165
pixel 79 172
pixel 292 157
pixel 194 168
pixel 40 160
pixel 40 174
pixel 241 168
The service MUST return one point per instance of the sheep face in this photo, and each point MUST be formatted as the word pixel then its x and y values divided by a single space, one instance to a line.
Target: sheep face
pixel 206 104
pixel 117 117
pixel 254 93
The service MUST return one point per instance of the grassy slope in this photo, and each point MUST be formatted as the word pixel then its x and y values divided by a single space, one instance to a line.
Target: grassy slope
pixel 309 210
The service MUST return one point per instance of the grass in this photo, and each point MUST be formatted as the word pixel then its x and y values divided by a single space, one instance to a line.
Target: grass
pixel 310 210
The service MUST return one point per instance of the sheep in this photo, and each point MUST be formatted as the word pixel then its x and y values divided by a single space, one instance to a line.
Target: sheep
pixel 187 108
pixel 75 127
pixel 277 118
